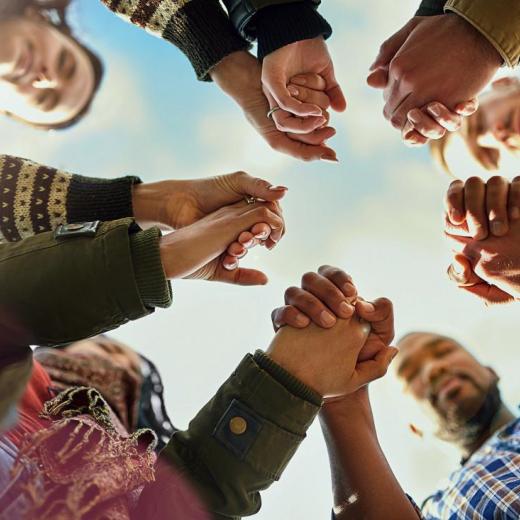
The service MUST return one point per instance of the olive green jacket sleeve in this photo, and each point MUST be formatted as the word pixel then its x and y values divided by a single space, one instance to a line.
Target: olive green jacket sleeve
pixel 239 443
pixel 497 20
pixel 199 28
pixel 35 198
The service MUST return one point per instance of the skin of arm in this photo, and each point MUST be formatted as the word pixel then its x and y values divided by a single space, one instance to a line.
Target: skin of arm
pixel 363 483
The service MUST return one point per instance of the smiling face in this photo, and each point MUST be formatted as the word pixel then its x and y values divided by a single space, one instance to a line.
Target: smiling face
pixel 443 376
pixel 46 78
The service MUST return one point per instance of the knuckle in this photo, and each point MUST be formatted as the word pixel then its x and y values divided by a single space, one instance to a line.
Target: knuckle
pixel 396 121
pixel 292 292
pixel 309 278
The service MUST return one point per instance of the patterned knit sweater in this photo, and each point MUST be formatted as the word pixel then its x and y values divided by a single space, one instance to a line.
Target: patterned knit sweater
pixel 199 28
pixel 36 198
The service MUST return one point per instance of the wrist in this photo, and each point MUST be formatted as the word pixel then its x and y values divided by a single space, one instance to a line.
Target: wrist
pixel 235 74
pixel 350 407
pixel 149 202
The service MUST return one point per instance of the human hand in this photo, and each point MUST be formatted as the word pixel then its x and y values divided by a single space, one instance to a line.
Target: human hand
pixel 291 61
pixel 195 251
pixel 325 304
pixel 240 76
pixel 432 58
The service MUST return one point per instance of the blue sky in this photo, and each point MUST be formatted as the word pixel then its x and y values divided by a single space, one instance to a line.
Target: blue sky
pixel 377 214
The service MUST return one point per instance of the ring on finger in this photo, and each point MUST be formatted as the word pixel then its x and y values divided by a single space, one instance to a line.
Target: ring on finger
pixel 272 111
pixel 250 200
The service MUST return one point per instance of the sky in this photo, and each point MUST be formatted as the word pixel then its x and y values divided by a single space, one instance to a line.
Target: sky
pixel 377 214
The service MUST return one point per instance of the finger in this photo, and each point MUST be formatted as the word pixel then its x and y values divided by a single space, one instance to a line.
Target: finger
pixel 449 120
pixel 236 250
pixel 277 88
pixel 378 78
pixel 230 263
pixel 275 235
pixel 261 212
pixel 334 91
pixel 311 306
pixel 467 108
pixel 412 137
pixel 290 316
pixel 380 314
pixel 490 294
pixel 318 137
pixel 261 231
pixel 376 368
pixel 308 95
pixel 309 80
pixel 461 272
pixel 514 199
pixel 247 239
pixel 475 204
pixel 244 184
pixel 497 190
pixel 242 276
pixel 399 101
pixel 454 203
pixel 286 122
pixel 302 151
pixel 425 125
pixel 341 280
pixel 328 293
pixel 462 244
pixel 452 229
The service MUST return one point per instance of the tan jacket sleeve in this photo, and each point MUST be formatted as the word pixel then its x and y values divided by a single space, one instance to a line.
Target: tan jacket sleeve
pixel 497 20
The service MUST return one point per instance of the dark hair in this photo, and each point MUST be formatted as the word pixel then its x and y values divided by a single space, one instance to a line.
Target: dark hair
pixel 54 12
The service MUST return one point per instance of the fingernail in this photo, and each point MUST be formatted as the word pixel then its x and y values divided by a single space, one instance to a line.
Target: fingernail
pixel 435 109
pixel 515 213
pixel 349 290
pixel 327 318
pixel 278 188
pixel 242 254
pixel 346 309
pixel 231 267
pixel 369 306
pixel 299 80
pixel 456 215
pixel 412 117
pixel 498 228
pixel 301 319
pixel 249 243
pixel 455 276
pixel 293 90
pixel 329 158
pixel 394 353
pixel 316 112
pixel 262 236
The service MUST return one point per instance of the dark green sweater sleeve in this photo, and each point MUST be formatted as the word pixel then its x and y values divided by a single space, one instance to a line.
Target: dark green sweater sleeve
pixel 240 442
pixel 431 8
pixel 35 198
pixel 64 288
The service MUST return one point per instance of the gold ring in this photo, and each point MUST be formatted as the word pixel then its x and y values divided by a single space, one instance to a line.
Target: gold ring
pixel 458 278
pixel 272 111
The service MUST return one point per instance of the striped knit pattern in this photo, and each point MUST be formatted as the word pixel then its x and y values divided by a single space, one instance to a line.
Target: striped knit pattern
pixel 32 198
pixel 36 198
pixel 199 28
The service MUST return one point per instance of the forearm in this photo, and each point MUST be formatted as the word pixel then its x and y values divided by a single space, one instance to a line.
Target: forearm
pixel 199 28
pixel 36 198
pixel 240 442
pixel 364 485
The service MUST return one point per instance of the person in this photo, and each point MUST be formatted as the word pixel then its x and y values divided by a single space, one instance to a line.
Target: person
pixel 216 42
pixel 48 78
pixel 490 134
pixel 236 446
pixel 462 395
pixel 38 198
pixel 482 229
pixel 476 36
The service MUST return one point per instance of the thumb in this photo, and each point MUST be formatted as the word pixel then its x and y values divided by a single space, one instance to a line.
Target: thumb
pixel 254 187
pixel 378 78
pixel 334 92
pixel 368 371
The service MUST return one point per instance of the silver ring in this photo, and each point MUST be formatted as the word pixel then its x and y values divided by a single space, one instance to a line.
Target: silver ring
pixel 272 111
pixel 250 200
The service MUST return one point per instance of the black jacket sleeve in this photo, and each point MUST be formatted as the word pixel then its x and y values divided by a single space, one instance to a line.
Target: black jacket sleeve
pixel 431 8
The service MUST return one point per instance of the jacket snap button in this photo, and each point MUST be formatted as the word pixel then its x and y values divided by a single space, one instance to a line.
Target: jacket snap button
pixel 238 425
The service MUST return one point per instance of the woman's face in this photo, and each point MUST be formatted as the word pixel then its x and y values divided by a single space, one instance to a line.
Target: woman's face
pixel 46 78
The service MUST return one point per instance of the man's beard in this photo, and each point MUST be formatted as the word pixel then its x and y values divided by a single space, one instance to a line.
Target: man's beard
pixel 467 432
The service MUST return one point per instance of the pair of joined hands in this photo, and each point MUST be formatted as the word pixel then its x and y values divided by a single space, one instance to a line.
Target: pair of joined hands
pixel 483 227
pixel 431 71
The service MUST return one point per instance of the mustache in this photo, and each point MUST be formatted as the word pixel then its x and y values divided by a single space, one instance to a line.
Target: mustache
pixel 436 382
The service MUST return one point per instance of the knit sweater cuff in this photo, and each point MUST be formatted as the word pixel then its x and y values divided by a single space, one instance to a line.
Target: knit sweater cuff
pixel 91 199
pixel 203 32
pixel 154 288
pixel 291 383
pixel 280 25
pixel 431 8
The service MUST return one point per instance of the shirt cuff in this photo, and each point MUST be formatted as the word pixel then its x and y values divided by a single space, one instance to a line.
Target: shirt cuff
pixel 280 25
pixel 153 287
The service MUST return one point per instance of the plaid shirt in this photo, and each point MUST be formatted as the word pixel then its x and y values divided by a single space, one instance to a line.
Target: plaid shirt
pixel 487 486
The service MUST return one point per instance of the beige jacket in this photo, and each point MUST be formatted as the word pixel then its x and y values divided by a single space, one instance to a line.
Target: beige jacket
pixel 498 20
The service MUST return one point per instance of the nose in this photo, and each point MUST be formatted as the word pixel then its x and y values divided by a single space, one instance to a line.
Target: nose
pixel 43 80
pixel 432 370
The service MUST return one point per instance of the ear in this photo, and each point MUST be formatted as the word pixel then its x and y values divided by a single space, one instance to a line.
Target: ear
pixel 495 377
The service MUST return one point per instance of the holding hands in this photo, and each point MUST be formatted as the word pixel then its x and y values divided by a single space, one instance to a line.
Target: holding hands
pixel 331 339
pixel 483 228
pixel 431 72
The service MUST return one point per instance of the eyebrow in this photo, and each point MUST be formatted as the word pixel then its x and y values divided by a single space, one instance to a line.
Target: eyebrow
pixel 62 60
pixel 430 345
